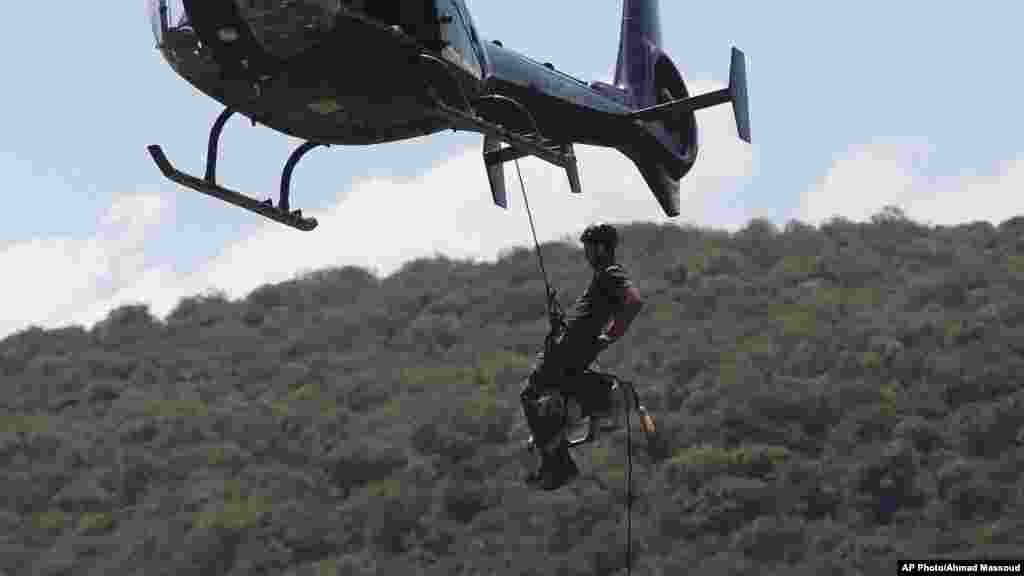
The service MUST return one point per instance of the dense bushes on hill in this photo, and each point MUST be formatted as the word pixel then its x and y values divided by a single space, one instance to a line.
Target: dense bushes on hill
pixel 833 397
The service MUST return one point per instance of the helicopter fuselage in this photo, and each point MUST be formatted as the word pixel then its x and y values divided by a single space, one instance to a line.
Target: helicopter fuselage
pixel 362 72
pixel 357 82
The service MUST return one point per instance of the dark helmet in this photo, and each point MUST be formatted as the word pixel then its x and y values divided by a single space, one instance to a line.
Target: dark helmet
pixel 601 234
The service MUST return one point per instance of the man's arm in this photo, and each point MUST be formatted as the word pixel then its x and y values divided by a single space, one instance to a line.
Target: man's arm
pixel 632 303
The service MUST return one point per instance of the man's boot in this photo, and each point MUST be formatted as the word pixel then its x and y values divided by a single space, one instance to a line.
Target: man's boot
pixel 556 470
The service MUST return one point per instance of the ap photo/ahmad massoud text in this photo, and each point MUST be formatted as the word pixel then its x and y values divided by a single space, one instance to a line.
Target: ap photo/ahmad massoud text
pixel 993 566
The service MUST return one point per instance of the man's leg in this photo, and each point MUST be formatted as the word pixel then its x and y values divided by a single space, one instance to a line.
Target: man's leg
pixel 558 468
pixel 589 389
pixel 542 404
pixel 592 391
pixel 545 408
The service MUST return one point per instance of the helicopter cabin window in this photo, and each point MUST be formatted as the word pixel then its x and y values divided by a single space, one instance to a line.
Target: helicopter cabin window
pixel 460 48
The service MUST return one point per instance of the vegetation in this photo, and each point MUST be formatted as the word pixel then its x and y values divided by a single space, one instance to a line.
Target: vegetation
pixel 830 397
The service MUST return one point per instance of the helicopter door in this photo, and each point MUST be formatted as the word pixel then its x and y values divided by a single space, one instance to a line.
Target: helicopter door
pixel 455 31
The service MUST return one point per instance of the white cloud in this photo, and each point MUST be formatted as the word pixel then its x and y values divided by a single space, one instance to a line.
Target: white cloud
pixel 56 281
pixel 379 224
pixel 869 177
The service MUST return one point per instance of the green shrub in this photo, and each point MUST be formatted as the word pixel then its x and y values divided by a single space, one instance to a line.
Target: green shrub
pixel 728 373
pixel 387 488
pixel 664 312
pixel 795 320
pixel 24 423
pixel 953 331
pixel 871 360
pixel 701 262
pixel 985 534
pixel 308 395
pixel 759 345
pixel 608 463
pixel 176 408
pixel 1015 264
pixel 863 297
pixel 490 366
pixel 424 378
pixel 234 511
pixel 889 395
pixel 327 567
pixel 484 416
pixel 834 296
pixel 799 265
pixel 696 465
pixel 50 520
pixel 392 409
pixel 93 522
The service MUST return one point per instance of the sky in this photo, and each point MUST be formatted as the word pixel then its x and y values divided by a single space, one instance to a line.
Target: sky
pixel 854 106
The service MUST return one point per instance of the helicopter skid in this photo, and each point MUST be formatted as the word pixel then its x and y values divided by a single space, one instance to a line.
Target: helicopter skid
pixel 208 185
pixel 265 208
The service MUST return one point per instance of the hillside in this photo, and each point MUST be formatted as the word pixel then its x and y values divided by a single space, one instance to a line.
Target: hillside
pixel 834 398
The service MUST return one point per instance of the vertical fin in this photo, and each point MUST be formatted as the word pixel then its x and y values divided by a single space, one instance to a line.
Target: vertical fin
pixel 738 93
pixel 641 25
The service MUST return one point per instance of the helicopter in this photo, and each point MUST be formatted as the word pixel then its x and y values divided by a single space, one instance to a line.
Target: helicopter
pixel 363 72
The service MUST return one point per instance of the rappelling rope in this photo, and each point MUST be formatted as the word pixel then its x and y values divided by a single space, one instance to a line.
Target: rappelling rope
pixel 629 489
pixel 555 312
pixel 632 403
pixel 555 315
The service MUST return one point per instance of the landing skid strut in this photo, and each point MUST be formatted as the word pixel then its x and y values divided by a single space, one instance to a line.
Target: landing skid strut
pixel 208 185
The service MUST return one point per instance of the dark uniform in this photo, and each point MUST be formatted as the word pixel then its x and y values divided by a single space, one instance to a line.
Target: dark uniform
pixel 561 371
pixel 591 314
pixel 576 348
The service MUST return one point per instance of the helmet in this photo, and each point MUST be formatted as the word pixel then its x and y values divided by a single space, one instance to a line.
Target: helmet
pixel 601 234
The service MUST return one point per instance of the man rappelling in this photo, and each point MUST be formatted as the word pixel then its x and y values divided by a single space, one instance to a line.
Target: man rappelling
pixel 599 318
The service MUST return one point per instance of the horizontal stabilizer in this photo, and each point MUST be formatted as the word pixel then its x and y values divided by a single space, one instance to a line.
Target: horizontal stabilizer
pixel 735 93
